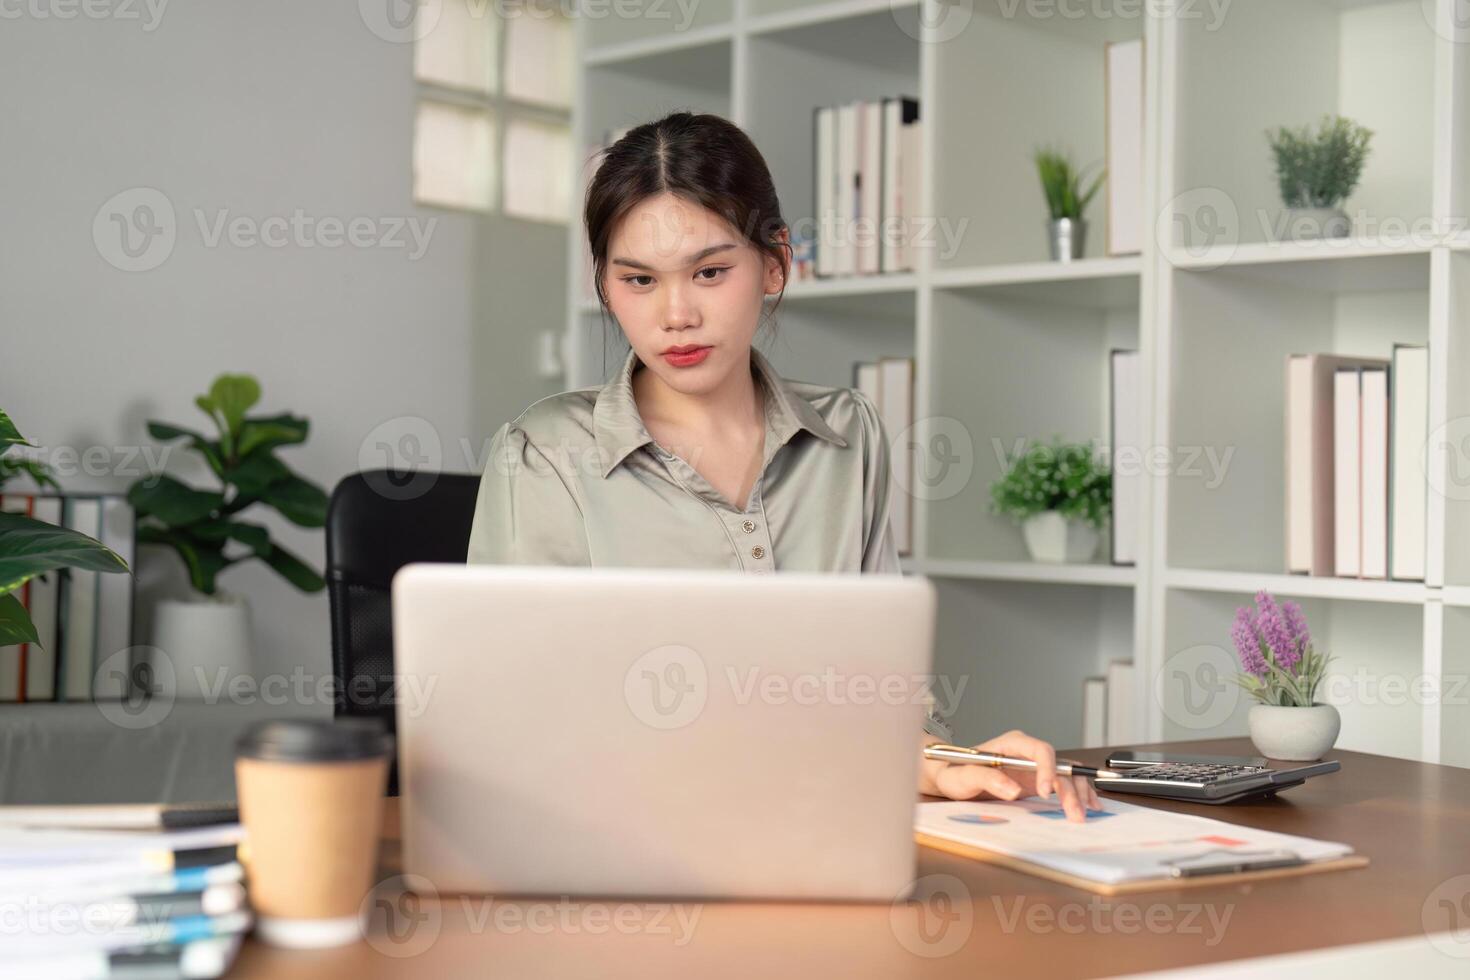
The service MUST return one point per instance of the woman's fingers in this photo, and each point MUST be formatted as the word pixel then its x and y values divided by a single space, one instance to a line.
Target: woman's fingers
pixel 1089 792
pixel 1021 745
pixel 1071 804
pixel 962 782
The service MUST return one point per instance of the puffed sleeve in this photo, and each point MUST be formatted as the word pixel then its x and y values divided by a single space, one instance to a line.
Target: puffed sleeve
pixel 880 548
pixel 526 512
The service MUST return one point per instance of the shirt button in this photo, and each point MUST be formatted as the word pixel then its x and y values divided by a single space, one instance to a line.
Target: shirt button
pixel 758 552
pixel 749 526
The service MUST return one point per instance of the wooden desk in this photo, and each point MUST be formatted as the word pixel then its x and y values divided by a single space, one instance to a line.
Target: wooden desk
pixel 1411 819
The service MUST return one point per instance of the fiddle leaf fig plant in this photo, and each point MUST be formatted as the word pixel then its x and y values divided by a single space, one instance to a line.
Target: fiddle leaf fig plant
pixel 29 548
pixel 202 525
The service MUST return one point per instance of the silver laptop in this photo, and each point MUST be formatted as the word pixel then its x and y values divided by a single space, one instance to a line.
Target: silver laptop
pixel 700 734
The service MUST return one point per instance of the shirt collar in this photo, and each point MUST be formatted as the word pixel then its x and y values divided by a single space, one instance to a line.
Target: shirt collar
pixel 619 428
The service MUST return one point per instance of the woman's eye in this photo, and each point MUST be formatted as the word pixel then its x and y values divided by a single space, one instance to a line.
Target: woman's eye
pixel 716 269
pixel 632 280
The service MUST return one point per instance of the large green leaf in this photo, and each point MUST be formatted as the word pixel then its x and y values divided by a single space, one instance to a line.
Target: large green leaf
pixel 9 434
pixel 208 448
pixel 233 395
pixel 272 431
pixel 256 472
pixel 33 468
pixel 294 570
pixel 203 559
pixel 301 501
pixel 172 502
pixel 253 536
pixel 15 623
pixel 29 547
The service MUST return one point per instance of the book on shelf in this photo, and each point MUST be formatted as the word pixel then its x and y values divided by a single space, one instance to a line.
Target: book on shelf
pixel 1094 712
pixel 1360 468
pixel 81 617
pixel 1408 483
pixel 1123 84
pixel 1119 702
pixel 889 385
pixel 1126 439
pixel 866 166
pixel 1311 461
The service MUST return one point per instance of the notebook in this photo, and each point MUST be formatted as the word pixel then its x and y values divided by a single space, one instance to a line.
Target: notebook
pixel 1121 847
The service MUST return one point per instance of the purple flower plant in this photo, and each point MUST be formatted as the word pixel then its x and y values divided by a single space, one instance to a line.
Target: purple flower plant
pixel 1280 630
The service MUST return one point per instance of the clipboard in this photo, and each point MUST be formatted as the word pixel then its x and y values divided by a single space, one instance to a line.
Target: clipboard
pixel 1228 875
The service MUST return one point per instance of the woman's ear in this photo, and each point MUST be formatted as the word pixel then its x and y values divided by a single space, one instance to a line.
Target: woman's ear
pixel 777 271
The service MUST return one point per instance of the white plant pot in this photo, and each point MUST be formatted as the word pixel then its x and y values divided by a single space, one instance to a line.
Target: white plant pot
pixel 1294 734
pixel 1307 224
pixel 206 643
pixel 1050 537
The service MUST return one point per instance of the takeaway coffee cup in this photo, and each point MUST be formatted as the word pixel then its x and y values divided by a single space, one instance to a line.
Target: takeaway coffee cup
pixel 311 799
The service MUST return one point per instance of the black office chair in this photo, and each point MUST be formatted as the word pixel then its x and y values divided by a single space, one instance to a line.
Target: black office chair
pixel 377 522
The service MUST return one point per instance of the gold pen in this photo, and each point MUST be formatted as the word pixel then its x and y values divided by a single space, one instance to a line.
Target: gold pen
pixel 974 757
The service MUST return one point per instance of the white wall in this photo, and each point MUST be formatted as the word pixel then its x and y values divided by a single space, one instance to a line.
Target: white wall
pixel 260 109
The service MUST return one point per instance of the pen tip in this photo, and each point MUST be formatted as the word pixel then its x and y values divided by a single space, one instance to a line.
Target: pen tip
pixel 1108 774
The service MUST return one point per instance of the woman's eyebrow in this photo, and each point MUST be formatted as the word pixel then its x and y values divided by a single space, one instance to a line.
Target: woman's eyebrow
pixel 697 256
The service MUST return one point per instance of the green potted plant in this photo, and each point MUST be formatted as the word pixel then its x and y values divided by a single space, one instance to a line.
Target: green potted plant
pixel 1061 496
pixel 211 633
pixel 29 547
pixel 1062 184
pixel 1316 173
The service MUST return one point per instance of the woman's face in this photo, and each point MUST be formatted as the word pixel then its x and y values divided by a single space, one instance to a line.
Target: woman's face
pixel 679 277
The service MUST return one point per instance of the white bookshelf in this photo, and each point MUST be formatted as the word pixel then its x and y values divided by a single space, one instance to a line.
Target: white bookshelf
pixel 1009 344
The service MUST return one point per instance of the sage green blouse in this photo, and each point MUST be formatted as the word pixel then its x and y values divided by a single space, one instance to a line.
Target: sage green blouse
pixel 576 479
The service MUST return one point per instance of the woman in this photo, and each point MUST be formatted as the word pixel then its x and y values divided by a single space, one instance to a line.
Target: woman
pixel 698 454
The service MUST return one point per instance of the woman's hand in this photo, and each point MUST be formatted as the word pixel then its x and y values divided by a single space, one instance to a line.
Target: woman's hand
pixel 959 781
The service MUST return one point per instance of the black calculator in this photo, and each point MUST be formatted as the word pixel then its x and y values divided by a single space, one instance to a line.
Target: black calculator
pixel 1204 778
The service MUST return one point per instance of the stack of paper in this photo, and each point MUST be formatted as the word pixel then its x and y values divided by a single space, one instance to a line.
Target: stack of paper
pixel 102 903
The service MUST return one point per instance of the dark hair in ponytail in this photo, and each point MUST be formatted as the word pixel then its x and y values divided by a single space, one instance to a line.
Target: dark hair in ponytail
pixel 703 158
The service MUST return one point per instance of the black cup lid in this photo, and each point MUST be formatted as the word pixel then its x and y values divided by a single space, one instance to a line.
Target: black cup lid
pixel 312 740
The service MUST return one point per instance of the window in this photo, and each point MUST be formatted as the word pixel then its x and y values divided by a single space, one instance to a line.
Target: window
pixel 493 127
